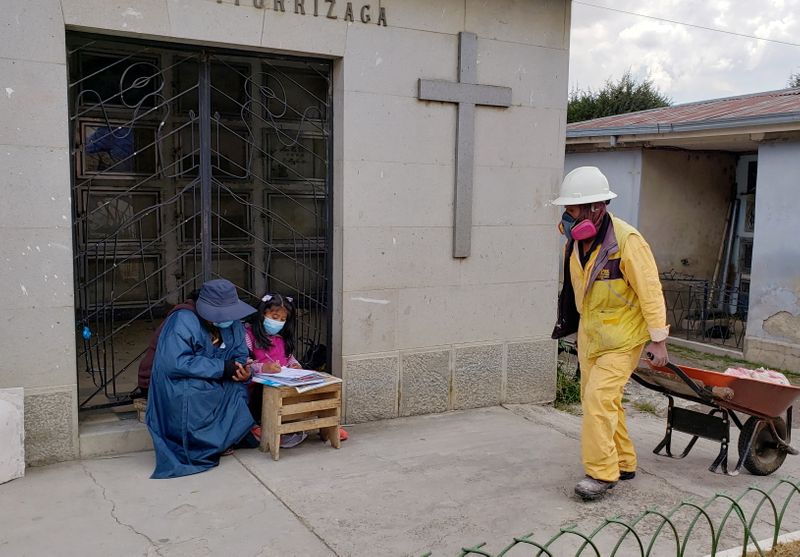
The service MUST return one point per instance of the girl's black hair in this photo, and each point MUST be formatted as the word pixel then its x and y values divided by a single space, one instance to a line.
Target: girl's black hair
pixel 257 323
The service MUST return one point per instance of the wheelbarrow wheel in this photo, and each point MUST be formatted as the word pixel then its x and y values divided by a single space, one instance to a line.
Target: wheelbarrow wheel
pixel 765 455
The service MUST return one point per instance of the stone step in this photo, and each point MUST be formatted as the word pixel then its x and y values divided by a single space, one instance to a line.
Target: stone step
pixel 112 437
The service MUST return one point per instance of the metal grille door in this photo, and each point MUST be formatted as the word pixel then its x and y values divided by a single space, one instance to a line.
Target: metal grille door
pixel 188 165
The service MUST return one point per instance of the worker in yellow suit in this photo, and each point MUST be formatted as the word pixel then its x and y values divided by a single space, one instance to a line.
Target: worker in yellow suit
pixel 612 278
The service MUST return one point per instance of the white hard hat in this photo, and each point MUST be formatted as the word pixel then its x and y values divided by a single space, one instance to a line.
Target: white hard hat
pixel 585 184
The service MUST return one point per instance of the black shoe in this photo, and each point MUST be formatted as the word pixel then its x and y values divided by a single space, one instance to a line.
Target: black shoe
pixel 589 488
pixel 627 475
pixel 139 392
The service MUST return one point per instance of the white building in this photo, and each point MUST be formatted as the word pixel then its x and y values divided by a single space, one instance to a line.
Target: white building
pixel 713 186
pixel 290 146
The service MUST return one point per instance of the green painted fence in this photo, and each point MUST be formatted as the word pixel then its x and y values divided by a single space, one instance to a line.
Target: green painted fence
pixel 690 528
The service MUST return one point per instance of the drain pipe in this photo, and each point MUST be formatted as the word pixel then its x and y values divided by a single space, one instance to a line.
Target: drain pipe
pixel 722 242
pixel 728 251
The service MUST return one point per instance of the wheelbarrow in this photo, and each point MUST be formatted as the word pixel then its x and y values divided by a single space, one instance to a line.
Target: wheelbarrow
pixel 765 436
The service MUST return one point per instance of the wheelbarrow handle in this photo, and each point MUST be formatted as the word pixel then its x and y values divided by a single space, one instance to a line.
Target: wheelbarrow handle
pixel 703 392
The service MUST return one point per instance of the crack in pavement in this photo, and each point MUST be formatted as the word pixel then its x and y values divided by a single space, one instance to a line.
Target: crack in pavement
pixel 548 423
pixel 153 545
pixel 302 520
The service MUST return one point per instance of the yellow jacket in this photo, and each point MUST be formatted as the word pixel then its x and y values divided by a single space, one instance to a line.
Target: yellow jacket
pixel 618 294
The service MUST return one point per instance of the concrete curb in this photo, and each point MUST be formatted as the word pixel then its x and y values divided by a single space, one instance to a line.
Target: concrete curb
pixel 765 545
pixel 706 348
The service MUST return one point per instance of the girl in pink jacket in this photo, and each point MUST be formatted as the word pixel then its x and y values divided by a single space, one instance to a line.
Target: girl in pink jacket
pixel 270 335
pixel 270 339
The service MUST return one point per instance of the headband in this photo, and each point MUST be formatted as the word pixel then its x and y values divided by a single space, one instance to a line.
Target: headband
pixel 268 297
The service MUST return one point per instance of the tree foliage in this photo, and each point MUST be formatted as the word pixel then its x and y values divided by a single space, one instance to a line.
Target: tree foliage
pixel 620 97
pixel 794 80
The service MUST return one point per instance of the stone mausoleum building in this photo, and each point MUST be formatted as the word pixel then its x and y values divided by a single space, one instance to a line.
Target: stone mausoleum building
pixel 386 163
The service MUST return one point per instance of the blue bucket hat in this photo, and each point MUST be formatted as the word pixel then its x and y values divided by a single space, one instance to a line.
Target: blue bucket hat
pixel 218 302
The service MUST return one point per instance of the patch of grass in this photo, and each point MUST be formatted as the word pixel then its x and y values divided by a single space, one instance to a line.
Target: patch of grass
pixel 780 550
pixel 724 361
pixel 645 406
pixel 568 390
pixel 695 355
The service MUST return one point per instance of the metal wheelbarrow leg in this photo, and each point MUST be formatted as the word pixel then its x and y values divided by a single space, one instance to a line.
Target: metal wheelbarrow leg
pixel 714 425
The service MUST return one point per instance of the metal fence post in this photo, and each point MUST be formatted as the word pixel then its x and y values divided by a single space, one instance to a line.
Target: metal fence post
pixel 204 100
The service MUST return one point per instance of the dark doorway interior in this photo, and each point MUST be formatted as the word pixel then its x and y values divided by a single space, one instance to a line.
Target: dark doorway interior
pixel 191 164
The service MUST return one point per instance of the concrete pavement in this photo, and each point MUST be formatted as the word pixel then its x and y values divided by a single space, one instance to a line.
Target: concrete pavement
pixel 397 487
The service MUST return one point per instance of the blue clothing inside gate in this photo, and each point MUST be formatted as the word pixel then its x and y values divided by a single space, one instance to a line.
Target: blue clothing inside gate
pixel 192 413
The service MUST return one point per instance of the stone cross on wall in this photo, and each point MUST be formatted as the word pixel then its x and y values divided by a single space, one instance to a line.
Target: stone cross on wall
pixel 467 93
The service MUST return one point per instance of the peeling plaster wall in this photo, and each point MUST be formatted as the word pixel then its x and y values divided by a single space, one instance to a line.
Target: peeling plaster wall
pixel 773 325
pixel 783 324
pixel 624 172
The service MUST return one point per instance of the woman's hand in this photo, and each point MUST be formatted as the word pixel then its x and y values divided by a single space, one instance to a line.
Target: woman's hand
pixel 295 365
pixel 242 373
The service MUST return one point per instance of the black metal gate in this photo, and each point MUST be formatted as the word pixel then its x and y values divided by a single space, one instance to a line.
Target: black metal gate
pixel 191 164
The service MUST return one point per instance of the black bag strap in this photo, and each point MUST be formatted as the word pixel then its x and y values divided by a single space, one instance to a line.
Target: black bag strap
pixel 568 317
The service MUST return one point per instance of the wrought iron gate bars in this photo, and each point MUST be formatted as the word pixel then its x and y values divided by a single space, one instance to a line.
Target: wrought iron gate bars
pixel 152 98
pixel 702 311
pixel 262 102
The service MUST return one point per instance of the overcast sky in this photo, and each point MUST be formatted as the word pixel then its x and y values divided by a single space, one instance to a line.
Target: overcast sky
pixel 687 64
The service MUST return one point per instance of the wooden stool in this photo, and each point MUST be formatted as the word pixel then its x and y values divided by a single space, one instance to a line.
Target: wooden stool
pixel 140 405
pixel 284 410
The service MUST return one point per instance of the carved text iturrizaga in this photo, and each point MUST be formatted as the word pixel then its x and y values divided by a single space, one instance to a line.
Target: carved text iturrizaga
pixel 330 9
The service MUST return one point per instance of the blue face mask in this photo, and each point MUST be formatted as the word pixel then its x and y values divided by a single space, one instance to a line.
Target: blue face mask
pixel 223 324
pixel 272 326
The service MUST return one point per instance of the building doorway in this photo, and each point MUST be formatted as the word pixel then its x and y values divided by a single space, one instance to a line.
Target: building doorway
pixel 190 164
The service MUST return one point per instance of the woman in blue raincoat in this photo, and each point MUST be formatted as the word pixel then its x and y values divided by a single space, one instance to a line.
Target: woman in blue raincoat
pixel 197 403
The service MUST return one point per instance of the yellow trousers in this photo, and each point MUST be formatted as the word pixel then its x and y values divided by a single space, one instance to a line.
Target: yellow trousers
pixel 605 445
